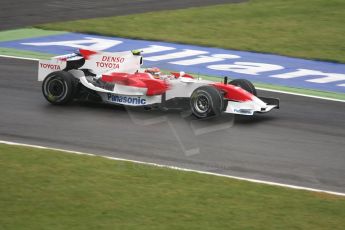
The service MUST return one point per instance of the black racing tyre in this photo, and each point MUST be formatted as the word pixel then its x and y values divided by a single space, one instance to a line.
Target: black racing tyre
pixel 207 101
pixel 75 63
pixel 244 84
pixel 59 87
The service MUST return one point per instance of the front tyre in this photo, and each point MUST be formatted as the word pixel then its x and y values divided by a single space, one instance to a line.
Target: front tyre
pixel 244 84
pixel 58 87
pixel 207 101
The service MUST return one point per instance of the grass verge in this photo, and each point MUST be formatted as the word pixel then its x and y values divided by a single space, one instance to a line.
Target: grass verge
pixel 299 28
pixel 10 35
pixel 44 189
pixel 24 53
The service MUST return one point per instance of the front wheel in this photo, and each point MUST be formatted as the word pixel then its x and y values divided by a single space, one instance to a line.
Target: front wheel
pixel 58 87
pixel 244 84
pixel 207 101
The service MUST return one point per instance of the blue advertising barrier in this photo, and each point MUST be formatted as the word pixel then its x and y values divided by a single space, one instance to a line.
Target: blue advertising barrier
pixel 265 68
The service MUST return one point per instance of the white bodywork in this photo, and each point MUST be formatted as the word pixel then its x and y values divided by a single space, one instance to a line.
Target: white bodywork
pixel 46 67
pixel 103 62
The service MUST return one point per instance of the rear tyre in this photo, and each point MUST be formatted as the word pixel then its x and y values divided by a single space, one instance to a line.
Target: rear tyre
pixel 207 101
pixel 59 87
pixel 244 84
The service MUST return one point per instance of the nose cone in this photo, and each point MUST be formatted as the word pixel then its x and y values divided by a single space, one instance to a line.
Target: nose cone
pixel 234 93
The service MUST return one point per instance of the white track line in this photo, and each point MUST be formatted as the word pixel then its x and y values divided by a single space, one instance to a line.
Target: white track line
pixel 178 168
pixel 264 89
pixel 299 94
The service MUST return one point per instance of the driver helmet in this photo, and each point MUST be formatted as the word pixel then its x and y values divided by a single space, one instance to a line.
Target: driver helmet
pixel 154 71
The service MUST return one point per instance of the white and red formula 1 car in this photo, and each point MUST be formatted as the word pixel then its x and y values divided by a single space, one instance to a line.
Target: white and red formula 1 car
pixel 117 78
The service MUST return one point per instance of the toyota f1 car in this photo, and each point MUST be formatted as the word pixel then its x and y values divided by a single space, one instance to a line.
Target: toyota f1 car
pixel 118 78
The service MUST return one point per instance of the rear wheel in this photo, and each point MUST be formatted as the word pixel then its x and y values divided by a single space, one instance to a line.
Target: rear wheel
pixel 244 84
pixel 207 101
pixel 59 87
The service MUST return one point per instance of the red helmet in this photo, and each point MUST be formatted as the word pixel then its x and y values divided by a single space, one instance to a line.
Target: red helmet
pixel 154 71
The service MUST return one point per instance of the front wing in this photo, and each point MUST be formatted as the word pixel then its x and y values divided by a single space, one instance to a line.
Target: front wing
pixel 257 105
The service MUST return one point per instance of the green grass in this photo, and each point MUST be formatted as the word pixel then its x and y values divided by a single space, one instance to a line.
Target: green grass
pixel 312 29
pixel 24 53
pixel 10 35
pixel 42 189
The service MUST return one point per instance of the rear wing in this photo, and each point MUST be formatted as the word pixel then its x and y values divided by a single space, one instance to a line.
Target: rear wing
pixel 46 67
pixel 97 62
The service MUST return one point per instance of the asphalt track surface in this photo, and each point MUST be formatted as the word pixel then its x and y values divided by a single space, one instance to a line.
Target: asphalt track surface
pixel 20 13
pixel 301 144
